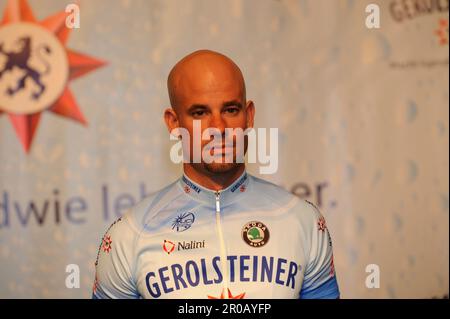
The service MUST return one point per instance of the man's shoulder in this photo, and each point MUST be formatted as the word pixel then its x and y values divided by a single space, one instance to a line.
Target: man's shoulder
pixel 269 194
pixel 148 208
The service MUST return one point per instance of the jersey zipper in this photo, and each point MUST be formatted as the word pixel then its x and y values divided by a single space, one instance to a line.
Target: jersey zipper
pixel 223 255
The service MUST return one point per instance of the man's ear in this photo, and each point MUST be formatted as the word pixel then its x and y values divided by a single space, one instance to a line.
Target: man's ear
pixel 250 110
pixel 171 119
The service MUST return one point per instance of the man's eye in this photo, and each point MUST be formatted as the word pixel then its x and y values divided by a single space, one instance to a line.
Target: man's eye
pixel 232 110
pixel 198 113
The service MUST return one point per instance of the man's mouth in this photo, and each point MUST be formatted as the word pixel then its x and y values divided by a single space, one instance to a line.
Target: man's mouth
pixel 219 149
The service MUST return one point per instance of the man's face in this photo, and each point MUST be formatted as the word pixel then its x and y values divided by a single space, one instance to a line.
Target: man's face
pixel 217 100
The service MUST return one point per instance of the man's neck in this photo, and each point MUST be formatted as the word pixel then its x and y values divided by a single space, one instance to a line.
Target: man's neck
pixel 215 182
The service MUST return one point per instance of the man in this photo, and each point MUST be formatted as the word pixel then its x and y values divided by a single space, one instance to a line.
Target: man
pixel 217 232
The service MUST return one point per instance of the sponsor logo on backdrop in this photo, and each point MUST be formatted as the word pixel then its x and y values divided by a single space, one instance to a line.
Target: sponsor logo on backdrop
pixel 36 68
pixel 434 32
pixel 442 31
pixel 405 10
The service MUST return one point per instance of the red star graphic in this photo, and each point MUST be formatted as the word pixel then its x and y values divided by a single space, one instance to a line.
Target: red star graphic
pixel 442 31
pixel 107 242
pixel 230 296
pixel 321 223
pixel 25 125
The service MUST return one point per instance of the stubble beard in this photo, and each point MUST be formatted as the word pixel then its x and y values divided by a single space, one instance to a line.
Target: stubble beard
pixel 220 168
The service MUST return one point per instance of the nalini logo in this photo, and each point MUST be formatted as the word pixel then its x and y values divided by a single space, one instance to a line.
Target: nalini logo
pixel 168 246
pixel 255 234
pixel 183 221
pixel 36 68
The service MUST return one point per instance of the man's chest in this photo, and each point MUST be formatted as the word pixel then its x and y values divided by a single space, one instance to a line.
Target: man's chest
pixel 201 255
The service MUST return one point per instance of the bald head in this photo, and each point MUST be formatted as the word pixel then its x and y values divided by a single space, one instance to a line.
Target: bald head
pixel 207 91
pixel 203 73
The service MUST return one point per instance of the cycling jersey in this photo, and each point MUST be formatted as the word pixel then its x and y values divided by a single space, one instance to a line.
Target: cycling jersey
pixel 250 240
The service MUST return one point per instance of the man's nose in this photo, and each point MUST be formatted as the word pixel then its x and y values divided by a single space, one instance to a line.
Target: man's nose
pixel 218 123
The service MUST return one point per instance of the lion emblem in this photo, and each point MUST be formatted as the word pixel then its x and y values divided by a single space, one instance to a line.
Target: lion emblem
pixel 21 60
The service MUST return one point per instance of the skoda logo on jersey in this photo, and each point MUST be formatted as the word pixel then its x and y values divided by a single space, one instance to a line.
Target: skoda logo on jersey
pixel 255 234
pixel 183 222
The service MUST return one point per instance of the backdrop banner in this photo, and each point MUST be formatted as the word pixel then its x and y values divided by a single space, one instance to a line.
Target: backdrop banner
pixel 362 115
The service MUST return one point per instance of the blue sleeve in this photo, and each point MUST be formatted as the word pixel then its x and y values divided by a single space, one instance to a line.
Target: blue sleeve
pixel 320 277
pixel 328 290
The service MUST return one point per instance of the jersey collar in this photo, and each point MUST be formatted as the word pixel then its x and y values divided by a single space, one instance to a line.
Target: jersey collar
pixel 208 196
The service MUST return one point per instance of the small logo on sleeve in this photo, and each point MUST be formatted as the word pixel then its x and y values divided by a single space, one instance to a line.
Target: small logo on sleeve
pixel 321 224
pixel 107 244
pixel 255 234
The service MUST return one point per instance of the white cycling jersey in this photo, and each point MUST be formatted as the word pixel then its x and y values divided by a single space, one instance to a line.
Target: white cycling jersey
pixel 250 240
